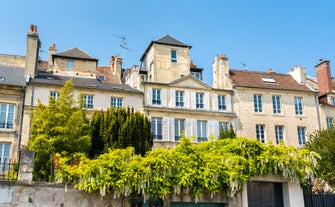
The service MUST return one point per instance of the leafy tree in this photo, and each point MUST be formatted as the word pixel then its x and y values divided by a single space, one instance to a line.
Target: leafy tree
pixel 216 166
pixel 323 143
pixel 229 133
pixel 119 128
pixel 60 126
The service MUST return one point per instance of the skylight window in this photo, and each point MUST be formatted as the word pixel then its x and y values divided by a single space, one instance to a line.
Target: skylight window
pixel 269 80
pixel 2 78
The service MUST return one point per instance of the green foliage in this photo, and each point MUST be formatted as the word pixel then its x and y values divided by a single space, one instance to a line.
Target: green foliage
pixel 216 166
pixel 60 126
pixel 323 143
pixel 120 128
pixel 229 133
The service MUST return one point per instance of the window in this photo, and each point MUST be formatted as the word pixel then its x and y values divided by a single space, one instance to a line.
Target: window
pixel 69 64
pixel 202 131
pixel 260 134
pixel 329 121
pixel 301 135
pixel 179 127
pixel 332 100
pixel 116 102
pixel 276 104
pixel 156 128
pixel 173 56
pixel 54 95
pixel 298 105
pixel 156 96
pixel 180 98
pixel 4 156
pixel 258 103
pixel 279 130
pixel 222 102
pixel 197 75
pixel 88 101
pixel 199 100
pixel 223 126
pixel 6 116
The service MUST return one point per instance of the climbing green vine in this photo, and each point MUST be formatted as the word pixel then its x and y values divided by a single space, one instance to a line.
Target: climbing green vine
pixel 215 166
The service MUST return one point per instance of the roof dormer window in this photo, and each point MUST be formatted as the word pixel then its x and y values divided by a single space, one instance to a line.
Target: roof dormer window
pixel 269 80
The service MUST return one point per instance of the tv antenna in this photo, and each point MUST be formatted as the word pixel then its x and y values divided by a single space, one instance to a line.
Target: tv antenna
pixel 244 66
pixel 123 43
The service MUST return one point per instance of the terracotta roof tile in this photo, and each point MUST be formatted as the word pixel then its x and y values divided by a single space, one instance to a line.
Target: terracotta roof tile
pixel 272 80
pixel 108 74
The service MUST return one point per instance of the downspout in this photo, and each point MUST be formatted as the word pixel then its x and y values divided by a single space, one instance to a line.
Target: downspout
pixel 317 110
pixel 20 122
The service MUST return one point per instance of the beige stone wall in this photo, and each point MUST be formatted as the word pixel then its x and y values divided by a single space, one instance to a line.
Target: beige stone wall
pixel 164 70
pixel 12 60
pixel 247 118
pixel 80 67
pixel 12 95
pixel 326 111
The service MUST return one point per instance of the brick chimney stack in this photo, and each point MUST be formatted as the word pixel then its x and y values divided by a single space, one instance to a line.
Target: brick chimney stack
pixel 323 76
pixel 52 51
pixel 32 53
pixel 116 65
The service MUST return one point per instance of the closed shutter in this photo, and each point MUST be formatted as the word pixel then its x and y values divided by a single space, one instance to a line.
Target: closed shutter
pixel 193 100
pixel 149 97
pixel 172 98
pixel 211 130
pixel 228 103
pixel 215 101
pixel 187 100
pixel 164 97
pixel 206 101
pixel 166 128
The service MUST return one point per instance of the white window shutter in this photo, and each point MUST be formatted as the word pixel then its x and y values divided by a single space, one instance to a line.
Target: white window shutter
pixel 164 97
pixel 210 128
pixel 187 100
pixel 215 101
pixel 149 96
pixel 172 98
pixel 193 100
pixel 188 128
pixel 206 101
pixel 228 102
pixel 166 129
pixel 172 134
pixel 216 129
pixel 194 128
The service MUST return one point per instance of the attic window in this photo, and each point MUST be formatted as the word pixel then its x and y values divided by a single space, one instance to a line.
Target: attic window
pixel 2 78
pixel 269 80
pixel 92 86
pixel 101 78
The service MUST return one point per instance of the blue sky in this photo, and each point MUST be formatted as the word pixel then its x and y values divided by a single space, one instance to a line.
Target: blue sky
pixel 261 34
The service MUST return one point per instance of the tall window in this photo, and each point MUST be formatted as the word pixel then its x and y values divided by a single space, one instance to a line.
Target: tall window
pixel 332 100
pixel 54 95
pixel 276 104
pixel 173 56
pixel 200 100
pixel 88 101
pixel 258 103
pixel 260 133
pixel 222 102
pixel 179 127
pixel 6 116
pixel 301 135
pixel 197 75
pixel 202 131
pixel 180 98
pixel 156 96
pixel 116 102
pixel 279 130
pixel 4 156
pixel 329 121
pixel 69 64
pixel 298 105
pixel 223 126
pixel 156 128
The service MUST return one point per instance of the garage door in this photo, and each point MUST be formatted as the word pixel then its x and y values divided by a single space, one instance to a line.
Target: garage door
pixel 184 204
pixel 264 194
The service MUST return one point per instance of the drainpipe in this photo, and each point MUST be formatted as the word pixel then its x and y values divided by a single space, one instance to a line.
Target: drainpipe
pixel 20 121
pixel 317 109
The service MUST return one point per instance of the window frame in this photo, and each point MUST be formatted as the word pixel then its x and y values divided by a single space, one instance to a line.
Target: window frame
pixel 5 148
pixel 116 102
pixel 199 100
pixel 54 95
pixel 7 115
pixel 279 132
pixel 197 75
pixel 301 135
pixel 88 101
pixel 298 106
pixel 70 64
pixel 202 131
pixel 329 122
pixel 179 128
pixel 157 128
pixel 179 98
pixel 258 103
pixel 260 132
pixel 276 104
pixel 222 105
pixel 174 56
pixel 156 96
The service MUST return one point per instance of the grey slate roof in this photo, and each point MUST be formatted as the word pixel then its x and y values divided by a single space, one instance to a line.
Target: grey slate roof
pixel 75 53
pixel 13 76
pixel 80 82
pixel 166 40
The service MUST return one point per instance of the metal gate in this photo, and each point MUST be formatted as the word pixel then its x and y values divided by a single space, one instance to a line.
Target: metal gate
pixel 265 194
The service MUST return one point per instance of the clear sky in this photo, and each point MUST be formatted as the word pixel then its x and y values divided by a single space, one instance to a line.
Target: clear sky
pixel 255 35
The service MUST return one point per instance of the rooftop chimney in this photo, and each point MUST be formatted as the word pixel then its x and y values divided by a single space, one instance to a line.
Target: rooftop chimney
pixel 116 64
pixel 32 53
pixel 220 70
pixel 299 74
pixel 52 51
pixel 323 76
